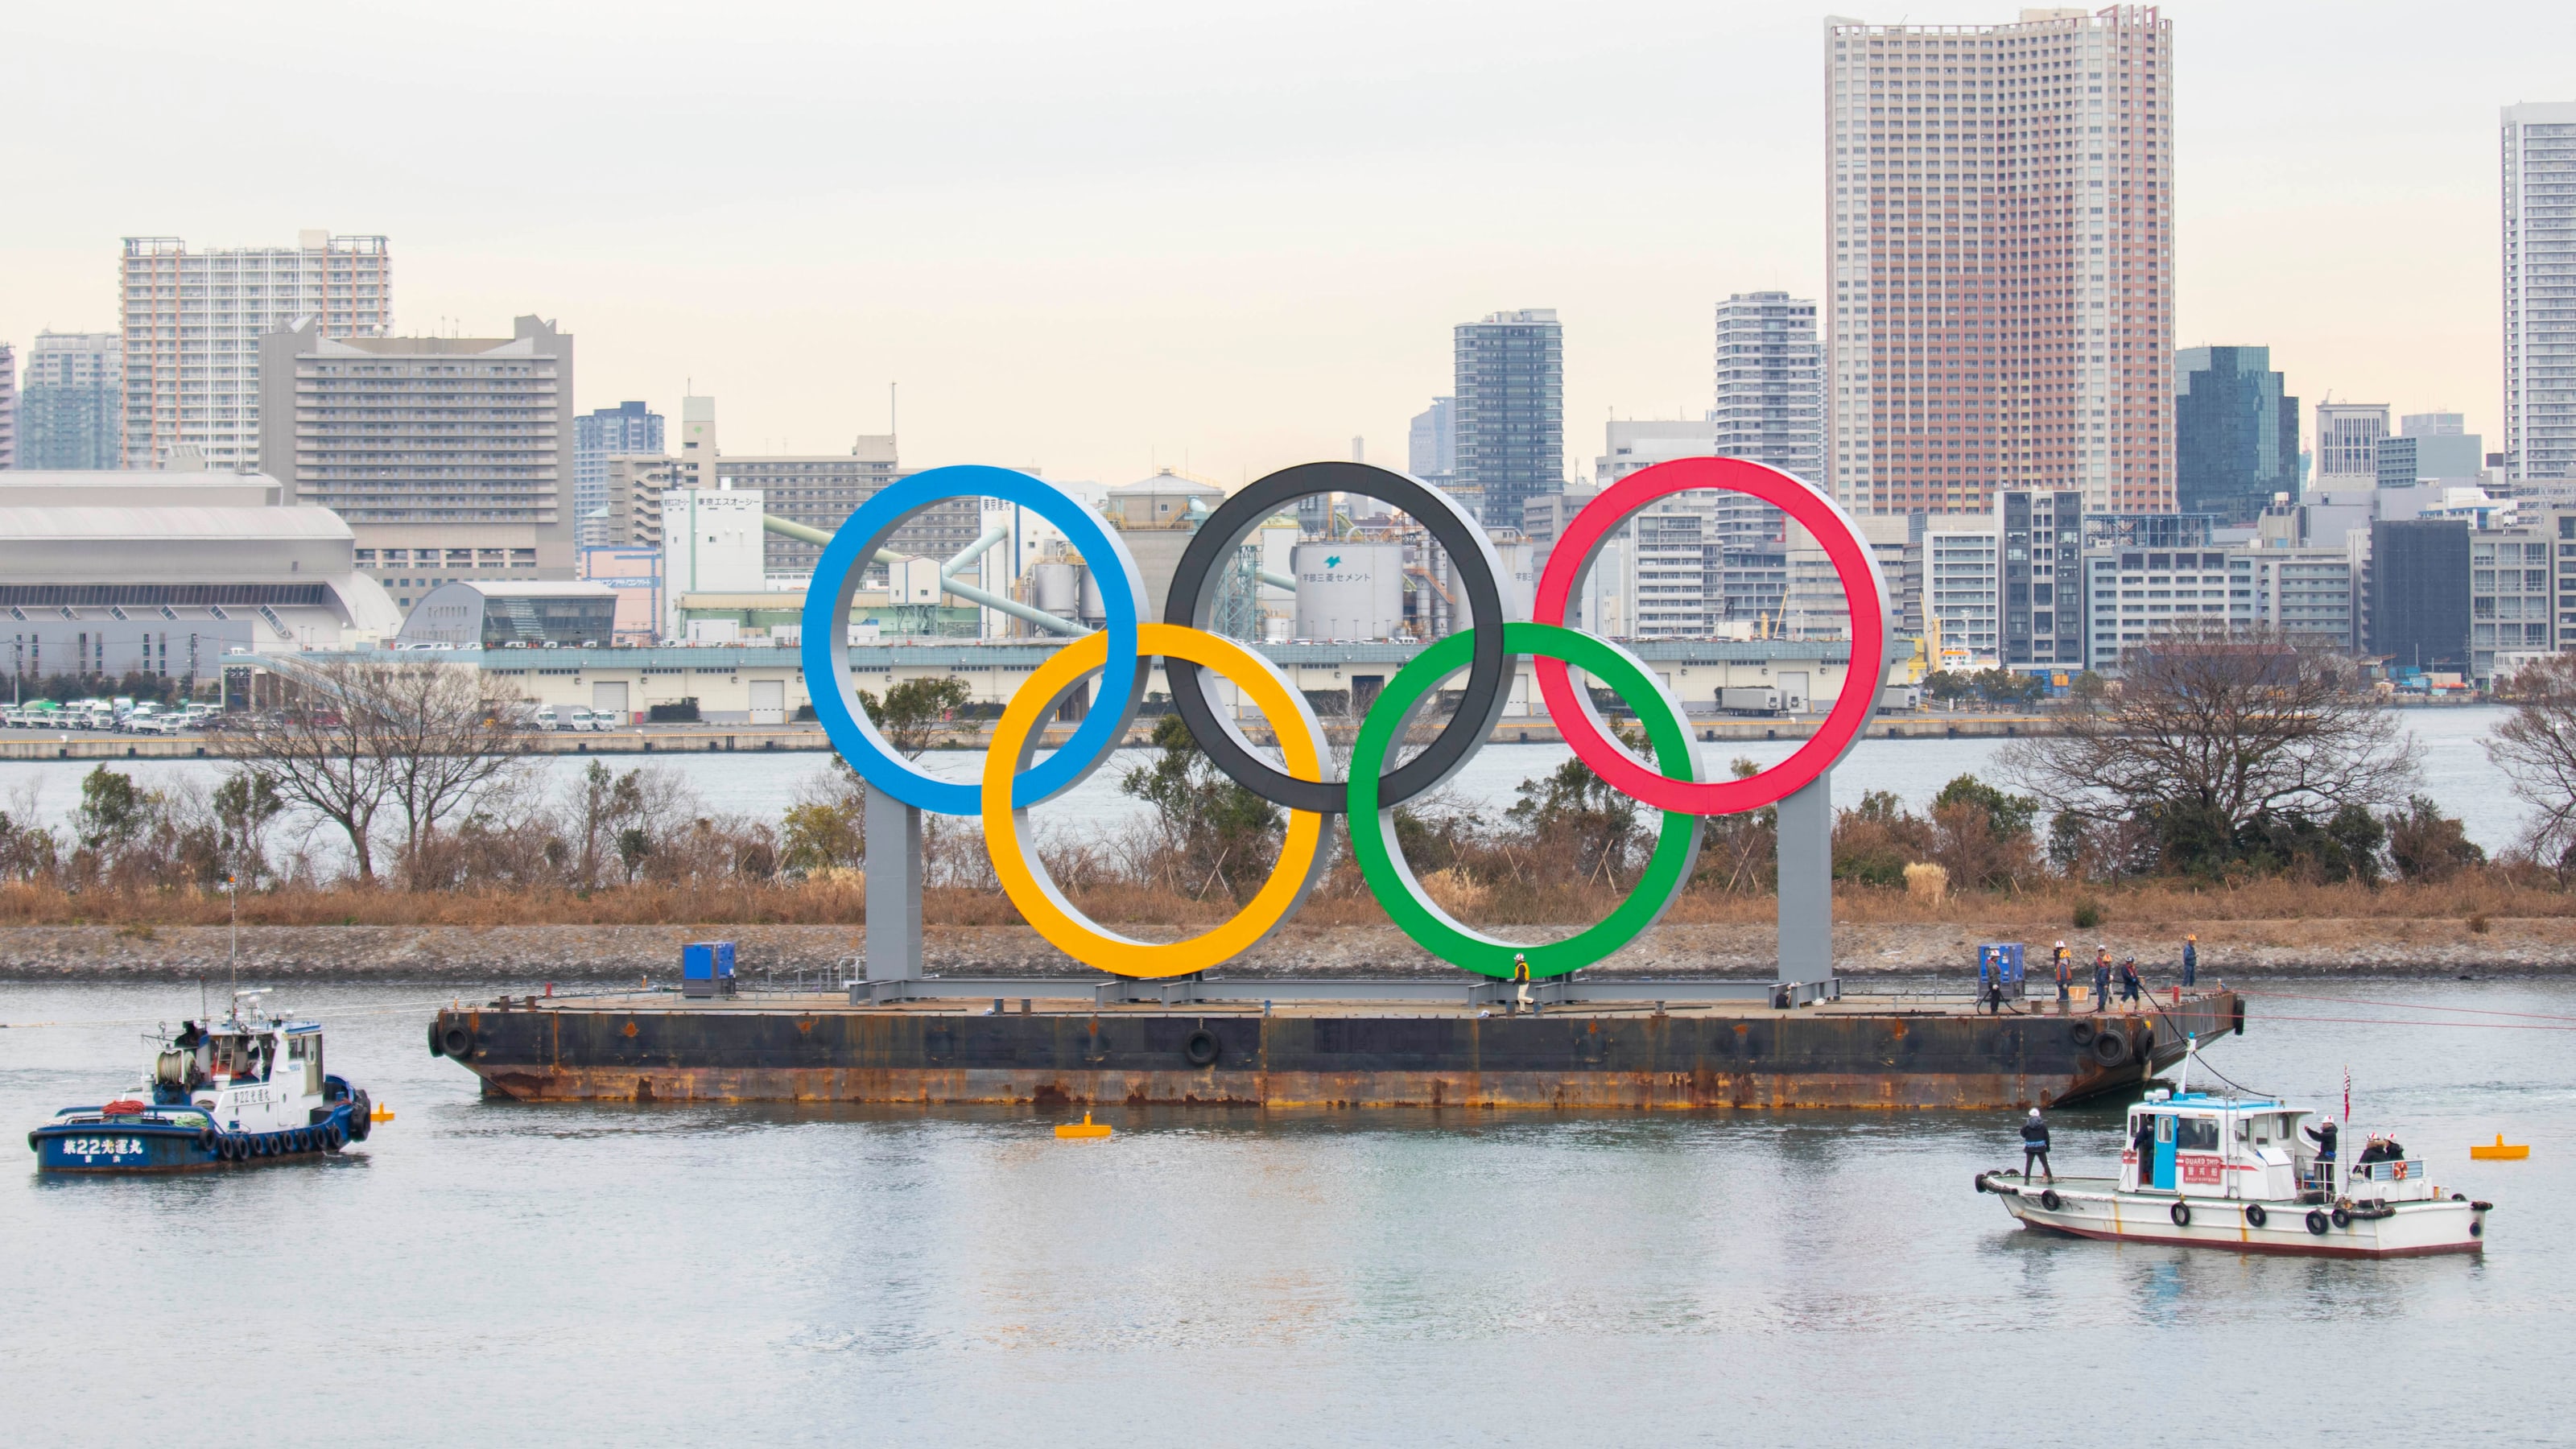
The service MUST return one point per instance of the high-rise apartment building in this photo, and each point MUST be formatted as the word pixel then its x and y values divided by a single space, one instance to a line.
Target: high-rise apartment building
pixel 192 328
pixel 1511 410
pixel 1431 444
pixel 1770 383
pixel 2348 437
pixel 449 457
pixel 2236 433
pixel 597 436
pixel 8 407
pixel 822 490
pixel 2540 291
pixel 2001 249
pixel 70 410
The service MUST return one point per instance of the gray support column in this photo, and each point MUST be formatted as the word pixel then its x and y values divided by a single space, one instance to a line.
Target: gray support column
pixel 1807 883
pixel 894 888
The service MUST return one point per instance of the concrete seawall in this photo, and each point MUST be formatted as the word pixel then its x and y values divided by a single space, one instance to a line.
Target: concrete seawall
pixel 624 954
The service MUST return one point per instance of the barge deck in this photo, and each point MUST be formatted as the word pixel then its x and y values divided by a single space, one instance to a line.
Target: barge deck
pixel 1077 1052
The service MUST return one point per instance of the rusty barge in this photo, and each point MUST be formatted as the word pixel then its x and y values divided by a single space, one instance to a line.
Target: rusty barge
pixel 1063 1051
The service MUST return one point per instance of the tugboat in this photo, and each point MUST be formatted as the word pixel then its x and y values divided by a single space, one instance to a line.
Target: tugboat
pixel 2208 1171
pixel 249 1089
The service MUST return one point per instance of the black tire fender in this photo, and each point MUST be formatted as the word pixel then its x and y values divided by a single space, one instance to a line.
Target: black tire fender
pixel 2316 1222
pixel 2049 1199
pixel 2342 1219
pixel 435 1049
pixel 1201 1049
pixel 2180 1213
pixel 362 1115
pixel 2110 1048
pixel 2255 1217
pixel 2082 1033
pixel 456 1041
pixel 207 1139
pixel 1981 1182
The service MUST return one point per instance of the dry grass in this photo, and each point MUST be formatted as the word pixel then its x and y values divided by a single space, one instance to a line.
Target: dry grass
pixel 1340 899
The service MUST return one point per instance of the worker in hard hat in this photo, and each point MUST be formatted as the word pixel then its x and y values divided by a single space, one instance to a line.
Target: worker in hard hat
pixel 2064 960
pixel 2190 960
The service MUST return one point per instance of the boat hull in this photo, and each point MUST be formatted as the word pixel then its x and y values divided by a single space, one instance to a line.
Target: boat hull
pixel 119 1145
pixel 1355 1055
pixel 2400 1230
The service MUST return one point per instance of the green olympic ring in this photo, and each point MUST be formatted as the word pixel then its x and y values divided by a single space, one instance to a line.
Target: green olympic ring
pixel 1382 861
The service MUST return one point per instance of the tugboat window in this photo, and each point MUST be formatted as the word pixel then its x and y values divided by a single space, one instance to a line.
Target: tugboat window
pixel 2198 1134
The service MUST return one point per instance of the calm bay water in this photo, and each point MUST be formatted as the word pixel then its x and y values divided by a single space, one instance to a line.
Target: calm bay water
pixel 2452 753
pixel 484 1272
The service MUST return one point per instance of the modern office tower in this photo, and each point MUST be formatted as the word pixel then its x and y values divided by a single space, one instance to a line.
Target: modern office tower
pixel 2041 605
pixel 2445 450
pixel 70 409
pixel 1511 410
pixel 2236 433
pixel 8 407
pixel 192 328
pixel 1431 448
pixel 628 428
pixel 2347 454
pixel 2540 291
pixel 2418 591
pixel 449 457
pixel 2001 251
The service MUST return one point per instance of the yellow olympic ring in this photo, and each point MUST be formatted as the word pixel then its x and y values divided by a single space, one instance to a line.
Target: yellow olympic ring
pixel 1025 880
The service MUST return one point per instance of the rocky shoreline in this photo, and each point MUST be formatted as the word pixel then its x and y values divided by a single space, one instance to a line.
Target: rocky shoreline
pixel 599 955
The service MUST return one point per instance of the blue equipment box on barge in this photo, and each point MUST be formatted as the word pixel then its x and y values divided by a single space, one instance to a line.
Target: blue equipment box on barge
pixel 706 968
pixel 2000 959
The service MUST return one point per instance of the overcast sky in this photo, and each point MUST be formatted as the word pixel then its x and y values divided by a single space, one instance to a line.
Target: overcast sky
pixel 1100 238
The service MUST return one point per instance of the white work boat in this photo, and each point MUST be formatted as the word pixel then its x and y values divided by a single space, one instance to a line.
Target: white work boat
pixel 2208 1171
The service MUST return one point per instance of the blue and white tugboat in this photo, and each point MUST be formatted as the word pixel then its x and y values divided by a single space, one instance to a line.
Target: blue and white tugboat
pixel 2201 1170
pixel 248 1089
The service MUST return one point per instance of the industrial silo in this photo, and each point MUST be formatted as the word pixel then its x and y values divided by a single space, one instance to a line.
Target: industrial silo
pixel 1349 589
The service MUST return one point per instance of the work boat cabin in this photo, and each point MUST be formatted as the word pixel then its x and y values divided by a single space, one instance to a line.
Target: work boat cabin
pixel 249 1088
pixel 2200 1170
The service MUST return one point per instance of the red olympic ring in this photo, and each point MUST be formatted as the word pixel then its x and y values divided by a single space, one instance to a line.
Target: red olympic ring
pixel 1864 590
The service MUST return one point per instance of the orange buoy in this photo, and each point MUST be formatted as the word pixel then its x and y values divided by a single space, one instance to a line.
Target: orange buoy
pixel 2501 1151
pixel 1085 1128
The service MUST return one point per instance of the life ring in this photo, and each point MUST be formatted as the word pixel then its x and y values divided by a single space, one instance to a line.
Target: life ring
pixel 1201 1049
pixel 2049 1199
pixel 2316 1222
pixel 2180 1213
pixel 2342 1219
pixel 2110 1048
pixel 456 1042
pixel 2255 1217
pixel 2082 1033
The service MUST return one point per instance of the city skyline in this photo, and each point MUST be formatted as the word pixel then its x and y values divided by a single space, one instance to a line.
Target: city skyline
pixel 1039 306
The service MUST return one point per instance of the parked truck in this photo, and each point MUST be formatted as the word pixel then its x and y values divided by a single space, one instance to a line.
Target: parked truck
pixel 1756 699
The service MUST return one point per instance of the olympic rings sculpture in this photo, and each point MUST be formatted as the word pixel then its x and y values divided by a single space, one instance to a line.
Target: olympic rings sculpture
pixel 1487 650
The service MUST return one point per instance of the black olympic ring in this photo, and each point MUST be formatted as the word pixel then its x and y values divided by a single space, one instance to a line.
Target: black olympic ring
pixel 1192 603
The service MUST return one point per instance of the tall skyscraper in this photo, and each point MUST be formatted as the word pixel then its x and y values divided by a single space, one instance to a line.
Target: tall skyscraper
pixel 448 457
pixel 1770 383
pixel 2001 223
pixel 1431 447
pixel 598 436
pixel 8 407
pixel 70 409
pixel 2540 291
pixel 2236 433
pixel 193 323
pixel 1511 410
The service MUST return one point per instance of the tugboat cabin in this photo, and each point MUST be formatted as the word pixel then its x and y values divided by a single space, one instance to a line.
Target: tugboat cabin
pixel 2194 1144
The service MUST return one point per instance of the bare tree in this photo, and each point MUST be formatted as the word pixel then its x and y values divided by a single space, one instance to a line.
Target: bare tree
pixel 351 740
pixel 448 735
pixel 2536 749
pixel 2215 737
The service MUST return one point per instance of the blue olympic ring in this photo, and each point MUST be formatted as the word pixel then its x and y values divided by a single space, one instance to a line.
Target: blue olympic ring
pixel 827 637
